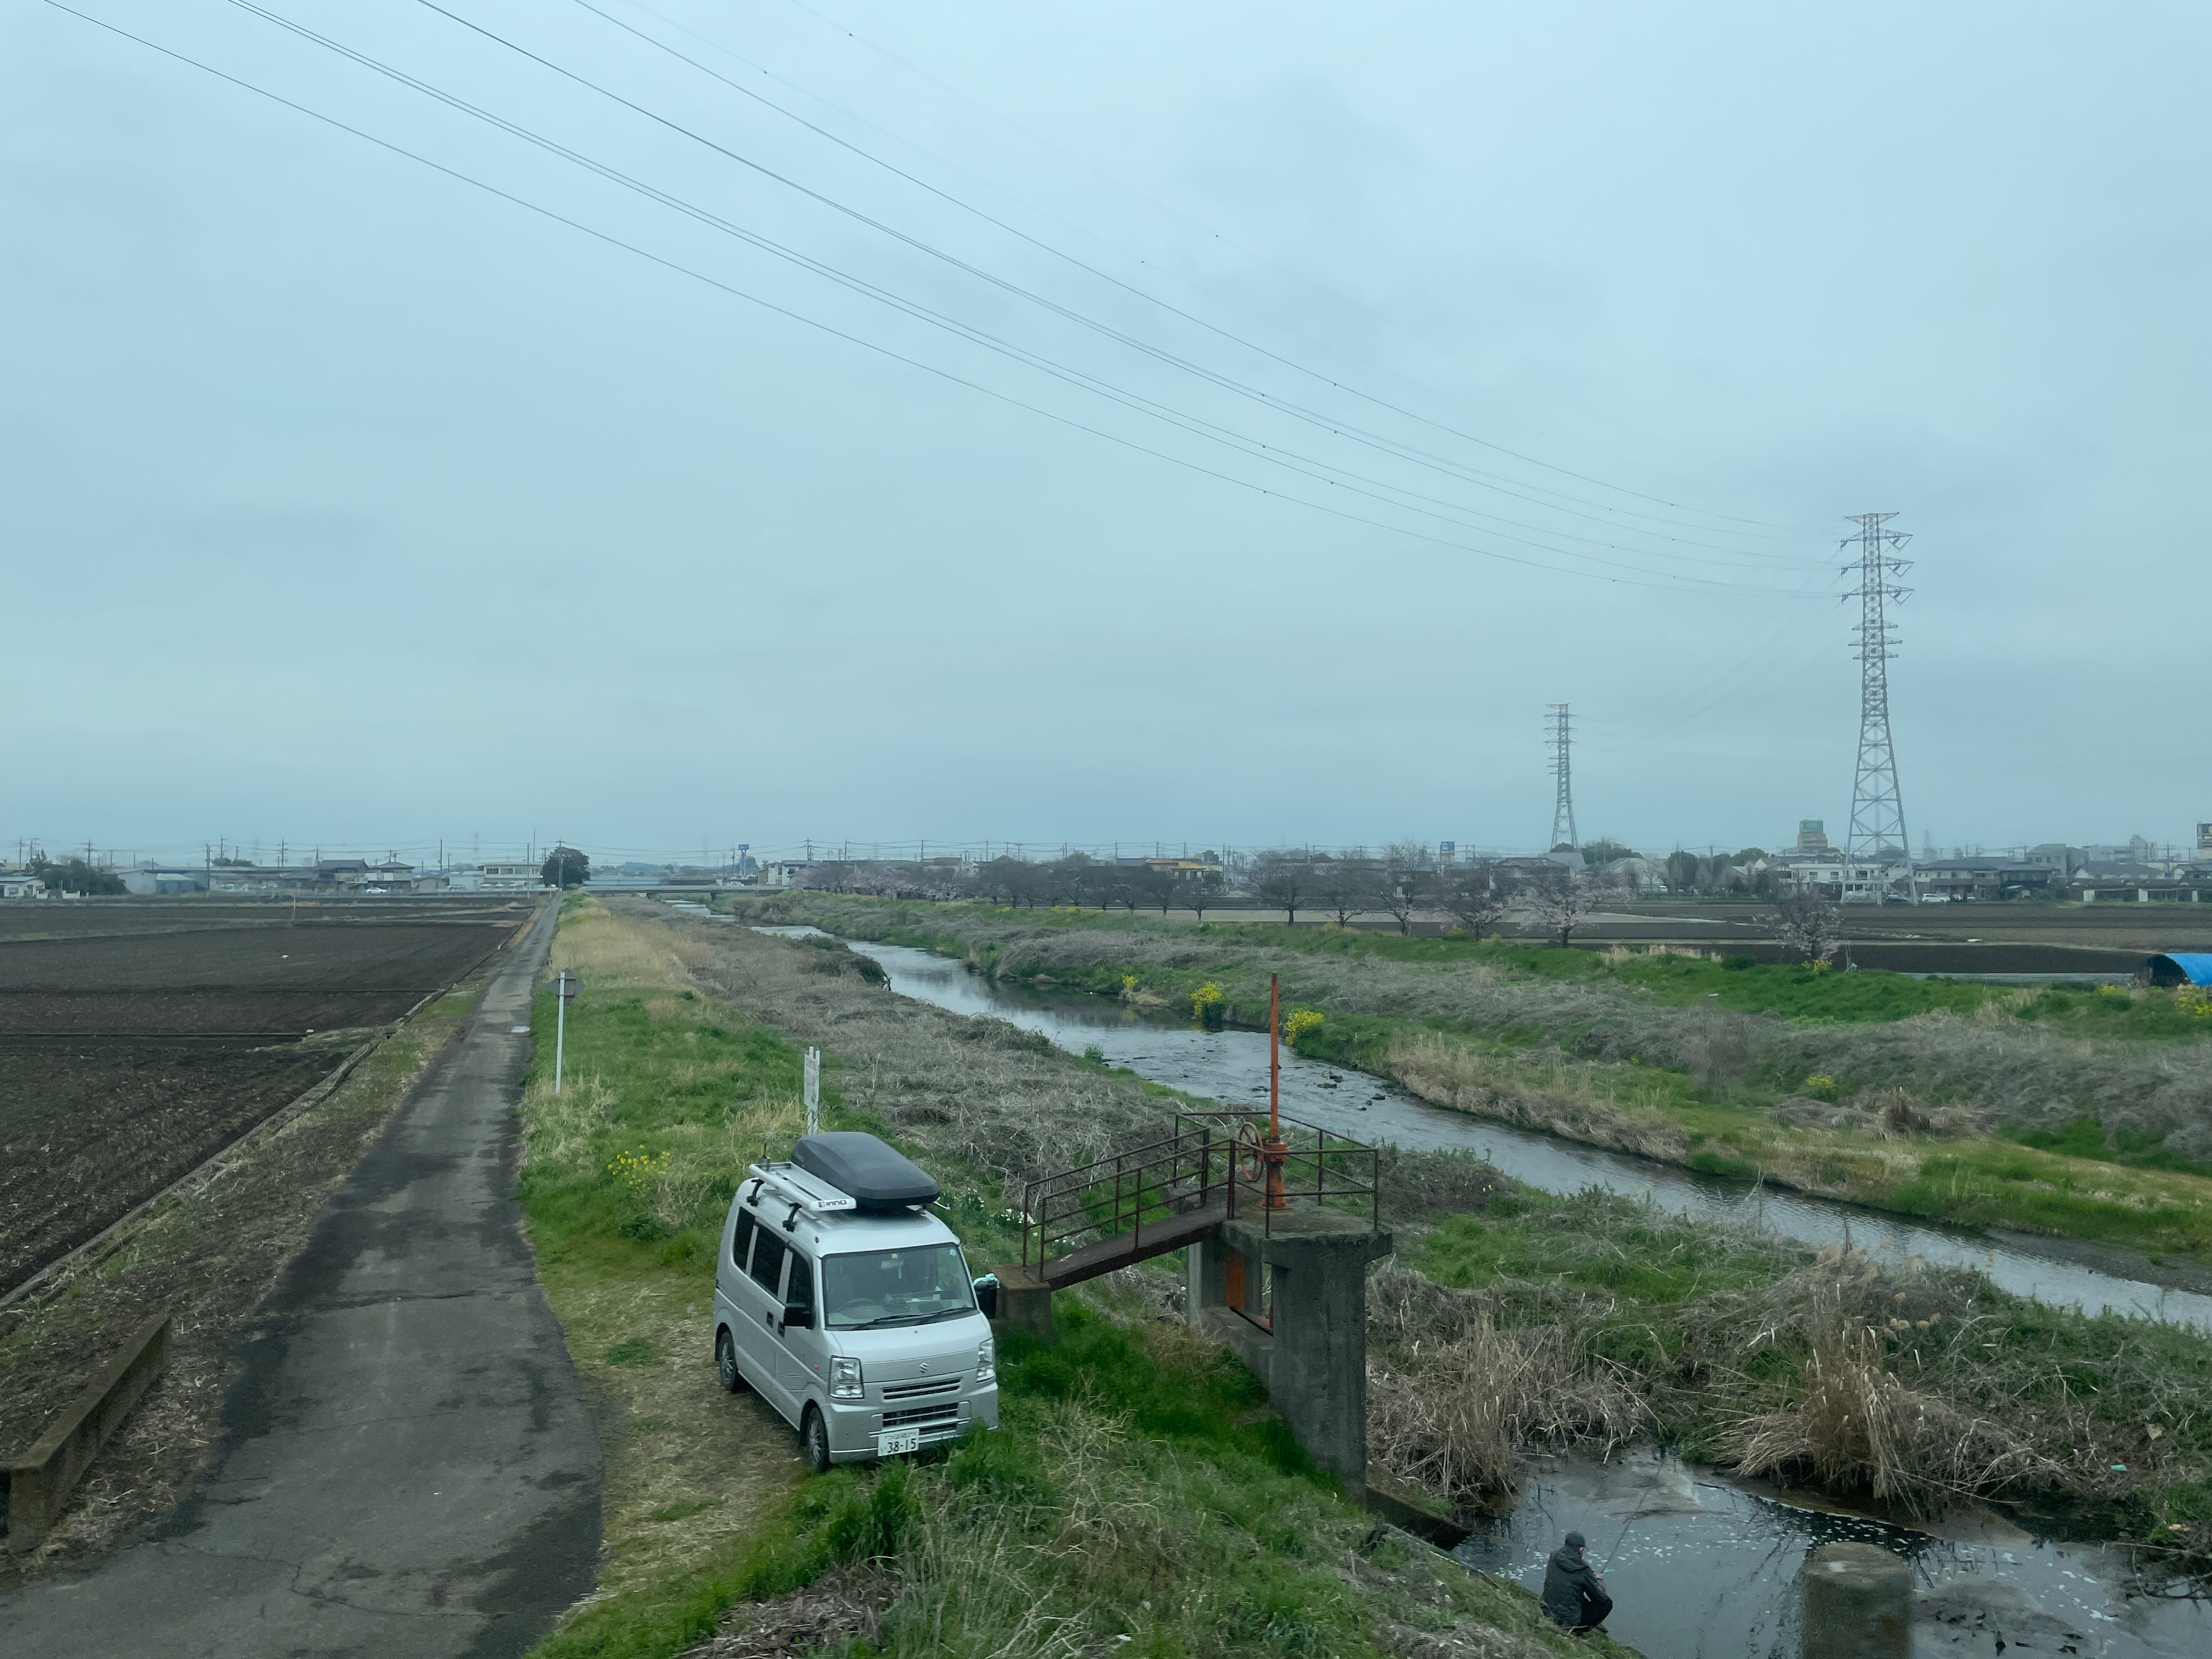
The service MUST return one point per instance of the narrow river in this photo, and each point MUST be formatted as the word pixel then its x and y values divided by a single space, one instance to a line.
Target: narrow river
pixel 1701 1567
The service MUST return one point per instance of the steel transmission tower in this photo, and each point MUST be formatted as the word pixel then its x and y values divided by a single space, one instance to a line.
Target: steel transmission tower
pixel 1559 735
pixel 1877 841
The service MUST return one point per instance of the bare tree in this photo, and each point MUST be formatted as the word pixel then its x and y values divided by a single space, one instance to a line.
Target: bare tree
pixel 1559 902
pixel 1282 881
pixel 1346 885
pixel 1408 879
pixel 1199 892
pixel 1474 895
pixel 1806 922
pixel 1158 886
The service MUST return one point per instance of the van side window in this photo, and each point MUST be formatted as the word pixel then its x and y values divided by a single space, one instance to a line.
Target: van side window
pixel 800 1293
pixel 768 1260
pixel 742 1242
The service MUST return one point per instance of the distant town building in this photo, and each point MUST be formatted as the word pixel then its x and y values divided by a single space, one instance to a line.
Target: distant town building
pixel 509 877
pixel 1998 877
pixel 2103 882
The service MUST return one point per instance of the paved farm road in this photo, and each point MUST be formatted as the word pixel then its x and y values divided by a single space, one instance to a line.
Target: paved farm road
pixel 406 1465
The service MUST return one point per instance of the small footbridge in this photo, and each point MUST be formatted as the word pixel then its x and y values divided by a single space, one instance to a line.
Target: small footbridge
pixel 1280 1219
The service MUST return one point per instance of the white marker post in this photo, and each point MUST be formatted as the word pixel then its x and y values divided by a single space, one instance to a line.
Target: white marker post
pixel 565 987
pixel 813 1092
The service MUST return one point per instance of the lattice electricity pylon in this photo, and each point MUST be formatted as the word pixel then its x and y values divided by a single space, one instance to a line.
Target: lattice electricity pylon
pixel 1877 842
pixel 1558 736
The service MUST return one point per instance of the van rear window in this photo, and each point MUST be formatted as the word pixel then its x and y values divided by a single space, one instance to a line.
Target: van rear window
pixel 742 1242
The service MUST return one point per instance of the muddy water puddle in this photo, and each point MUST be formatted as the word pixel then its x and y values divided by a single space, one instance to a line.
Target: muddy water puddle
pixel 1700 1567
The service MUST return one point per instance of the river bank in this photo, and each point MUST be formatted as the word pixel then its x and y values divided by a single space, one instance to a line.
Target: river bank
pixel 1958 1104
pixel 1633 1284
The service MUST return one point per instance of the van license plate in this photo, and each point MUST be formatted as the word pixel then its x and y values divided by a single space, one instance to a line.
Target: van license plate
pixel 895 1441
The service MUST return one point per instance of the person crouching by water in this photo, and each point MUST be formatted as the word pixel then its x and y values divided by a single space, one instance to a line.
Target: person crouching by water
pixel 1574 1594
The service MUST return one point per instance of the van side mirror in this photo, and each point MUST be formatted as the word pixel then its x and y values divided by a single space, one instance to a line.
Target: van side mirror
pixel 986 1296
pixel 798 1314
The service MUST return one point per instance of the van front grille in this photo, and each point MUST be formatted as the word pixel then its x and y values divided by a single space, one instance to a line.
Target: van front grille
pixel 923 1416
pixel 921 1390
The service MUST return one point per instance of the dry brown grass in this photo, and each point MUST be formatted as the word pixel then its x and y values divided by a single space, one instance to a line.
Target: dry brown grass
pixel 1548 1093
pixel 2018 1070
pixel 610 951
pixel 1905 1396
pixel 1460 1422
pixel 992 1095
pixel 688 1466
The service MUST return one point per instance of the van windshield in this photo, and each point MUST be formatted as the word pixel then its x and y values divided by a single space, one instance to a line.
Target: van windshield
pixel 916 1285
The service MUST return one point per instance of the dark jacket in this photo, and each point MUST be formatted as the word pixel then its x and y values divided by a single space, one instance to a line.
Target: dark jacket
pixel 1571 1594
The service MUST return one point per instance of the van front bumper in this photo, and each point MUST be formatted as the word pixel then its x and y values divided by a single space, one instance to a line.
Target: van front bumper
pixel 856 1426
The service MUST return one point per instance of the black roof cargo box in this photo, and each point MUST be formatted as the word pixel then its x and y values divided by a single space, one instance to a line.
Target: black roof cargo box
pixel 877 1178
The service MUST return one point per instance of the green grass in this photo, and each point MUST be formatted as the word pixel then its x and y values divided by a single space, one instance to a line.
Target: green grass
pixel 1139 1487
pixel 1799 993
pixel 2122 1189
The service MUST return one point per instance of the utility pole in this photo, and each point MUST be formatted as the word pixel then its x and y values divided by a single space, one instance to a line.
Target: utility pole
pixel 1558 737
pixel 1877 842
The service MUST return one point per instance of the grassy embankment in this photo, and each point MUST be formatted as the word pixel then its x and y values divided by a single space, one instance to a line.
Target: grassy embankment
pixel 1138 1490
pixel 2050 1110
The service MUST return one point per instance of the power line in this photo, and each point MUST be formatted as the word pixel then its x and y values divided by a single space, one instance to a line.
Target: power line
pixel 1676 584
pixel 1296 412
pixel 1039 243
pixel 1286 459
pixel 1252 253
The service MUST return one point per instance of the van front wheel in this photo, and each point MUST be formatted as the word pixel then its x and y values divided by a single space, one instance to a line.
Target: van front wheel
pixel 725 1361
pixel 814 1441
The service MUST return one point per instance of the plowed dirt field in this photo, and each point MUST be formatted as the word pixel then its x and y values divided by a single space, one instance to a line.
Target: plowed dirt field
pixel 138 1039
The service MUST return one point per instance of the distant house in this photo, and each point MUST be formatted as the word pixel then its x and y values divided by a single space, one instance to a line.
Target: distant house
pixel 1986 879
pixel 510 877
pixel 20 883
pixel 149 879
pixel 2103 882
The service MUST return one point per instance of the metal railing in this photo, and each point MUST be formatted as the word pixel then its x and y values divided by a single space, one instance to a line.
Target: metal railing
pixel 1209 1158
pixel 1113 1195
pixel 1317 1165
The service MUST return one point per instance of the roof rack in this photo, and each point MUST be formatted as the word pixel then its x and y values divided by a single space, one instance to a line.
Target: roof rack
pixel 802 1191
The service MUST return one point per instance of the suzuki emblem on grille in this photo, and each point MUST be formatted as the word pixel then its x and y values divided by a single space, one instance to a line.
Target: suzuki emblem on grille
pixel 923 1368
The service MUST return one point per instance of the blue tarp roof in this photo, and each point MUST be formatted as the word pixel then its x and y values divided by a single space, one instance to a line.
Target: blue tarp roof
pixel 2195 965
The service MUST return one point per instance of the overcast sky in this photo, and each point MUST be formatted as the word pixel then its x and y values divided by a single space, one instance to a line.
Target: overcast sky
pixel 1238 426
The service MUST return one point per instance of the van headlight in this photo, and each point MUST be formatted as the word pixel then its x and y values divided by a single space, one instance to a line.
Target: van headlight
pixel 844 1379
pixel 987 1362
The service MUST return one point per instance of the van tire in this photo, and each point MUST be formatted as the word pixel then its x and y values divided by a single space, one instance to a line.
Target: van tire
pixel 725 1361
pixel 814 1440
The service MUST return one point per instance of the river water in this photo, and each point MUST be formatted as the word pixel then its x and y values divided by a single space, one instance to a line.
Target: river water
pixel 1700 1567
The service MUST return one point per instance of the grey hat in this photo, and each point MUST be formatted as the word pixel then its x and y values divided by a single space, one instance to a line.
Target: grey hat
pixel 1576 1541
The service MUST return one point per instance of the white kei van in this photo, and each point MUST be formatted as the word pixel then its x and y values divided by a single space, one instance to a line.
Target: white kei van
pixel 846 1305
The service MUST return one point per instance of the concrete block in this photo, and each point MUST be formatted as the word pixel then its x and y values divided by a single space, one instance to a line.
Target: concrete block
pixel 41 1481
pixel 1024 1303
pixel 1316 1358
pixel 1858 1604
